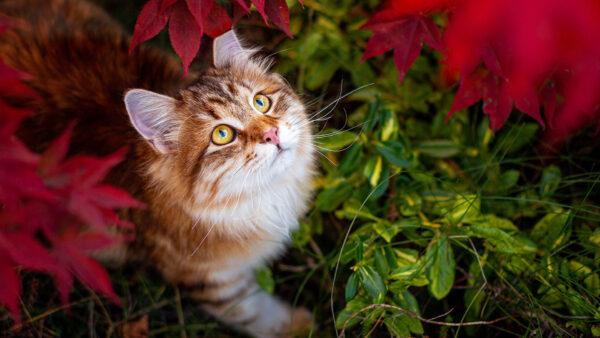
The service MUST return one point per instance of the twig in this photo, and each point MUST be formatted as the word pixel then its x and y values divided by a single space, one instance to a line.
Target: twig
pixel 425 320
pixel 91 318
pixel 47 313
pixel 315 248
pixel 374 326
pixel 180 313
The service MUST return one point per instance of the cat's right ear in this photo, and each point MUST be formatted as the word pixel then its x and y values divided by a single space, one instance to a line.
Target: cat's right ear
pixel 226 47
pixel 153 117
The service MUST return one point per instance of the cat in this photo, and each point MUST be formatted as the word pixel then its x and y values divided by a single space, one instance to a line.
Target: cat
pixel 223 159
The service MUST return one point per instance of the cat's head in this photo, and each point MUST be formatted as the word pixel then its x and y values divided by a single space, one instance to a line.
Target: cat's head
pixel 238 128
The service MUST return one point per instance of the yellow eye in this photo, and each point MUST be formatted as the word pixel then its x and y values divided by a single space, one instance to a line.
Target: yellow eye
pixel 222 135
pixel 261 103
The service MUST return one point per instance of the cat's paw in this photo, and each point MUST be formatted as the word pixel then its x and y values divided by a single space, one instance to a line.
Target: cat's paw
pixel 302 323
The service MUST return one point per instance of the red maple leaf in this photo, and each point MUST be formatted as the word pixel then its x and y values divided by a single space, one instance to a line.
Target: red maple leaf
pixel 78 180
pixel 69 248
pixel 63 200
pixel 189 20
pixel 405 35
pixel 498 98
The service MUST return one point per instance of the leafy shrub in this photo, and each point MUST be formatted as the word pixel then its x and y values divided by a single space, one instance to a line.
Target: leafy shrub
pixel 437 213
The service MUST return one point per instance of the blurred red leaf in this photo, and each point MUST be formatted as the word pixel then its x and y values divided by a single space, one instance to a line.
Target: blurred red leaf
pixel 56 152
pixel 90 272
pixel 62 201
pixel 549 101
pixel 11 287
pixel 406 36
pixel 25 250
pixel 497 97
pixel 504 51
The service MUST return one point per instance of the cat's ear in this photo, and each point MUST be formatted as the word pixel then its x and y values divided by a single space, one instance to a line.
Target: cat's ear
pixel 153 116
pixel 226 47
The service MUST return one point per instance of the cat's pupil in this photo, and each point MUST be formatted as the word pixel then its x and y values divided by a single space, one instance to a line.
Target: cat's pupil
pixel 223 133
pixel 260 102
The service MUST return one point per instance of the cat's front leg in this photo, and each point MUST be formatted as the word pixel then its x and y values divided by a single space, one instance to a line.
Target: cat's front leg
pixel 239 301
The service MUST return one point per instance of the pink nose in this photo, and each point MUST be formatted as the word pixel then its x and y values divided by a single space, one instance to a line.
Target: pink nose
pixel 271 136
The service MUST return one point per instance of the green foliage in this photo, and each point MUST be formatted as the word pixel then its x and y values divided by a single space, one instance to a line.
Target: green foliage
pixel 438 212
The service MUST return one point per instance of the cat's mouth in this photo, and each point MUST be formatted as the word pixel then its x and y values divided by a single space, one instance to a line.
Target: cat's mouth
pixel 281 152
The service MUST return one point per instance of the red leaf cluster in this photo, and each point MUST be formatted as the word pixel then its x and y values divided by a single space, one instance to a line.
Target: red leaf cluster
pixel 52 210
pixel 189 20
pixel 526 53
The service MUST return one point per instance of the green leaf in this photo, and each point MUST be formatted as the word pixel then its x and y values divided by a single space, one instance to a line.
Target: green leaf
pixel 351 210
pixel 373 169
pixel 310 46
pixel 264 279
pixel 395 153
pixel 351 308
pixel 372 281
pixel 381 263
pixel 362 74
pixel 411 204
pixel 372 115
pixel 406 256
pixel 335 139
pixel 440 267
pixel 359 250
pixel 390 257
pixel 552 231
pixel 508 179
pixel 351 160
pixel 503 241
pixel 389 129
pixel 386 230
pixel 438 148
pixel 351 286
pixel 408 302
pixel 551 177
pixel 465 208
pixel 491 220
pixel 595 237
pixel 349 252
pixel 592 284
pixel 397 326
pixel 302 235
pixel 330 198
pixel 320 72
pixel 405 272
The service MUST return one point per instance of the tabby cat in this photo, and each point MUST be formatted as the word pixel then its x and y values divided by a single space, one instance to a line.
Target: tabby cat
pixel 223 159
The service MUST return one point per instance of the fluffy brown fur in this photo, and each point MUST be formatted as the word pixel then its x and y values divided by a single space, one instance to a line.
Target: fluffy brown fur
pixel 207 226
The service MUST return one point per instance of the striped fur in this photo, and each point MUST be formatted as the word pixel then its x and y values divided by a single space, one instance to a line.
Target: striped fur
pixel 215 212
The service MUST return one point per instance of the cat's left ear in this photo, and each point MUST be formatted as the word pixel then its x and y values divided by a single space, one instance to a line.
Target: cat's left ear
pixel 226 48
pixel 153 116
